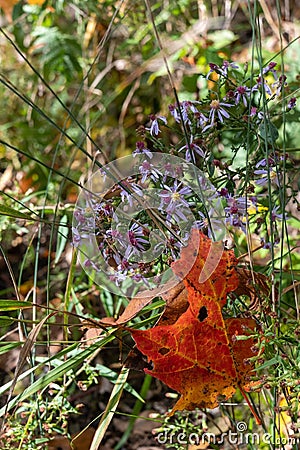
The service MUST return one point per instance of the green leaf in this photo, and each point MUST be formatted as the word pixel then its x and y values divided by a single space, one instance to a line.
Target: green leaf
pixel 110 409
pixel 8 346
pixel 74 360
pixel 269 363
pixel 45 361
pixel 12 305
pixel 25 350
pixel 12 212
pixel 268 131
pixel 6 322
pixel 113 377
pixel 51 376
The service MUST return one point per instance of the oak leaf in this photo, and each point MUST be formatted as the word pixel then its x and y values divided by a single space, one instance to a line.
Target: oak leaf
pixel 199 354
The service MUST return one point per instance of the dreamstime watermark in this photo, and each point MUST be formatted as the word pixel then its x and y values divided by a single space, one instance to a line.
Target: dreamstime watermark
pixel 124 181
pixel 238 437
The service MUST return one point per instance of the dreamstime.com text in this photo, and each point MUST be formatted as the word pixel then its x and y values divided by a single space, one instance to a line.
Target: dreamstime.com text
pixel 240 436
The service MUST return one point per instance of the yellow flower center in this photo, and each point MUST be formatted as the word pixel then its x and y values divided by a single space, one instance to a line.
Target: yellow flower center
pixel 205 222
pixel 253 209
pixel 215 104
pixel 176 196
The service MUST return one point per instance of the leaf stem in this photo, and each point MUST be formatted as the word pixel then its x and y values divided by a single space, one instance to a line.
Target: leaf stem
pixel 244 394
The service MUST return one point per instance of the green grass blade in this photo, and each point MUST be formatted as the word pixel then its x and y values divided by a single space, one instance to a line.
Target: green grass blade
pixel 25 351
pixel 61 354
pixel 12 305
pixel 110 409
pixel 8 346
pixel 135 412
pixel 51 376
pixel 11 212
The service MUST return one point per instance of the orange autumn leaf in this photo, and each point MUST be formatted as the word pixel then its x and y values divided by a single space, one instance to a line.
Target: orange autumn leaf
pixel 199 355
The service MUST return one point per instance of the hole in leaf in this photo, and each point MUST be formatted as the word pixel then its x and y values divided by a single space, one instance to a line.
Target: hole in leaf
pixel 202 313
pixel 163 350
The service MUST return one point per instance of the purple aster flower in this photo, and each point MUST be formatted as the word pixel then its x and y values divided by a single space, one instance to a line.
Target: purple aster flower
pixel 206 187
pixel 187 108
pixel 223 70
pixel 141 149
pixel 148 170
pixel 264 162
pixel 174 203
pixel 270 68
pixel 242 93
pixel 123 265
pixel 103 209
pixel 133 188
pixel 224 192
pixel 132 241
pixel 217 108
pixel 115 235
pixel 261 82
pixel 174 245
pixel 237 210
pixel 90 263
pixel 185 112
pixel 275 214
pixel 279 84
pixel 192 148
pixel 85 226
pixel 117 277
pixel 188 105
pixel 174 112
pixel 237 205
pixel 253 112
pixel 154 126
pixel 172 171
pixel 136 237
pixel 104 172
pixel 237 221
pixel 86 232
pixel 226 65
pixel 201 119
pixel 76 237
pixel 266 244
pixel 259 114
pixel 213 68
pixel 79 216
pixel 266 175
pixel 173 196
pixel 292 103
pixel 212 225
pixel 175 215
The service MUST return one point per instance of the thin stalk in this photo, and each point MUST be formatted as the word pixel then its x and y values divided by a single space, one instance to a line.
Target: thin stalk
pixel 135 411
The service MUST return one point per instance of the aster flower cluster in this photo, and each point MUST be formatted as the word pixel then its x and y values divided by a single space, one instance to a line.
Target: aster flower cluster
pixel 164 196
pixel 108 226
pixel 246 95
